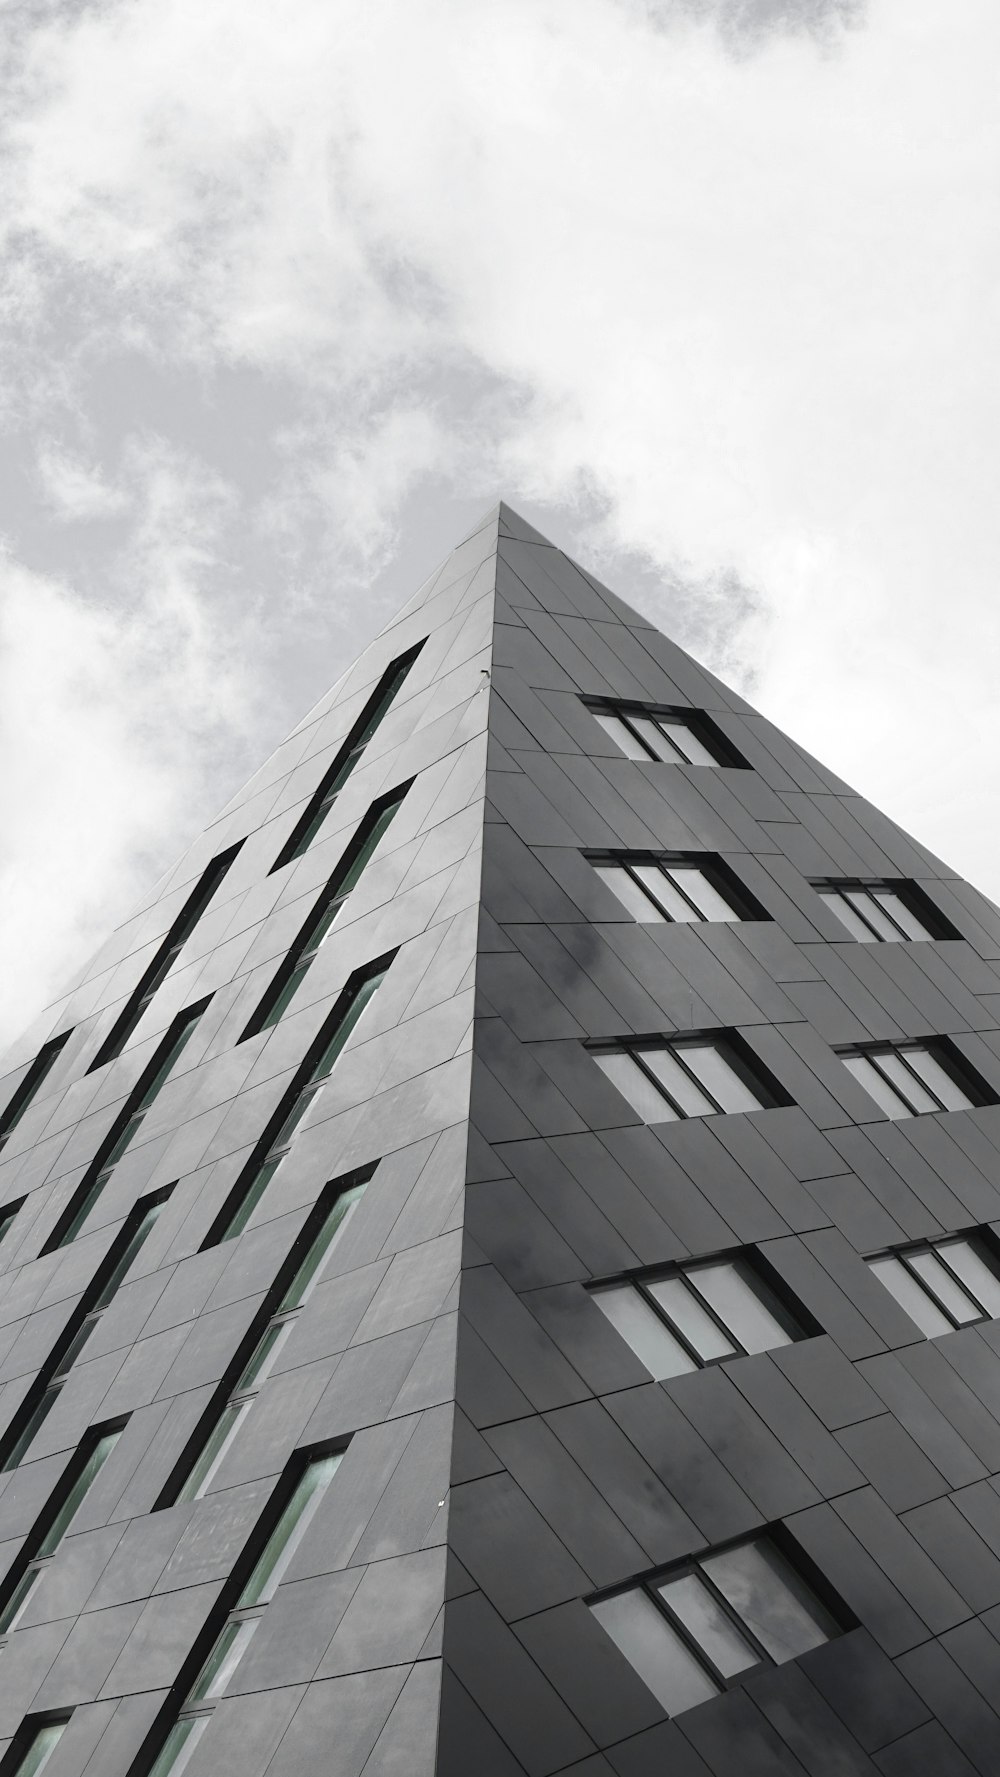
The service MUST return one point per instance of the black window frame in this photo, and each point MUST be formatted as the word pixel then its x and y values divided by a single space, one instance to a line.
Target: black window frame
pixel 753 1073
pixel 720 874
pixel 349 754
pixel 38 1072
pixel 167 954
pixel 797 1558
pixel 800 1323
pixel 12 1763
pixel 980 1237
pixel 909 892
pixel 701 724
pixel 943 1051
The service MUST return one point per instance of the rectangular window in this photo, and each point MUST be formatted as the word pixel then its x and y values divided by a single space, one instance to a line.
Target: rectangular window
pixel 34 1746
pixel 32 1084
pixel 29 1571
pixel 334 779
pixel 693 1631
pixel 676 737
pixel 909 1079
pixel 298 1102
pixel 943 1284
pixel 686 1318
pixel 308 1259
pixel 674 889
pixel 51 1378
pixel 240 1625
pixel 125 1127
pixel 165 958
pixel 307 945
pixel 883 913
pixel 692 1077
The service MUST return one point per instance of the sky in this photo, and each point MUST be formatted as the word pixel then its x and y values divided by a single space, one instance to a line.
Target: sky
pixel 290 293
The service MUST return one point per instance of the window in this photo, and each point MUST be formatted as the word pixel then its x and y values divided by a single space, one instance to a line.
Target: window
pixel 27 1573
pixel 298 1102
pixel 679 737
pixel 333 780
pixel 882 913
pixel 304 951
pixel 165 958
pixel 682 889
pixel 692 1632
pixel 689 1078
pixel 683 1319
pixel 53 1373
pixel 125 1127
pixel 943 1284
pixel 320 1240
pixel 907 1079
pixel 240 1625
pixel 32 1084
pixel 7 1216
pixel 35 1745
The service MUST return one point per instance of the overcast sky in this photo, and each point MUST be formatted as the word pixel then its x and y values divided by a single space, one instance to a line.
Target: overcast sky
pixel 294 289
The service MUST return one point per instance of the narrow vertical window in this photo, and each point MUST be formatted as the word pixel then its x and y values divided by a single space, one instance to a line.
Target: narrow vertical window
pixel 349 756
pixel 125 1127
pixel 306 947
pixel 32 1084
pixel 28 1573
pixel 164 959
pixel 35 1745
pixel 52 1376
pixel 240 1624
pixel 321 1236
pixel 298 1102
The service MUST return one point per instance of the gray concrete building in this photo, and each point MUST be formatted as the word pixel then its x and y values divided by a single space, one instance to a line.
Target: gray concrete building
pixel 498 1258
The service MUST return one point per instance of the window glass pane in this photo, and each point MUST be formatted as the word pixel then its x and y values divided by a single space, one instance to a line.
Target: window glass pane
pixel 18 1600
pixel 264 1354
pixel 223 1660
pixel 733 1293
pixel 660 744
pixel 43 1744
pixel 905 1083
pixel 939 1280
pixel 301 1103
pixel 911 1297
pixel 938 1079
pixel 252 1196
pixel 123 1263
pixel 653 1343
pixel 175 1753
pixel 688 744
pixel 349 1019
pixel 287 994
pixel 690 1318
pixel 897 909
pixel 706 897
pixel 847 916
pixel 875 1086
pixel 623 737
pixel 217 1442
pixel 652 1645
pixel 710 1626
pixel 315 1257
pixel 289 1531
pixel 771 1599
pixel 719 1077
pixel 92 1467
pixel 628 892
pixel 633 1084
pixel 869 909
pixel 659 884
pixel 685 1092
pixel 368 846
pixel 962 1257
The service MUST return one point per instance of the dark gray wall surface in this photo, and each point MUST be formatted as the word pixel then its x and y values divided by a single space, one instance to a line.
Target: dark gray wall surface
pixel 452 1339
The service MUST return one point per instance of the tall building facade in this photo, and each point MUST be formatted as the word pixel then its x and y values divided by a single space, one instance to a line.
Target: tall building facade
pixel 499 1265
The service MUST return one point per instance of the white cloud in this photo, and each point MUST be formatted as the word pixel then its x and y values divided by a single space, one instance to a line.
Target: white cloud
pixel 75 490
pixel 710 282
